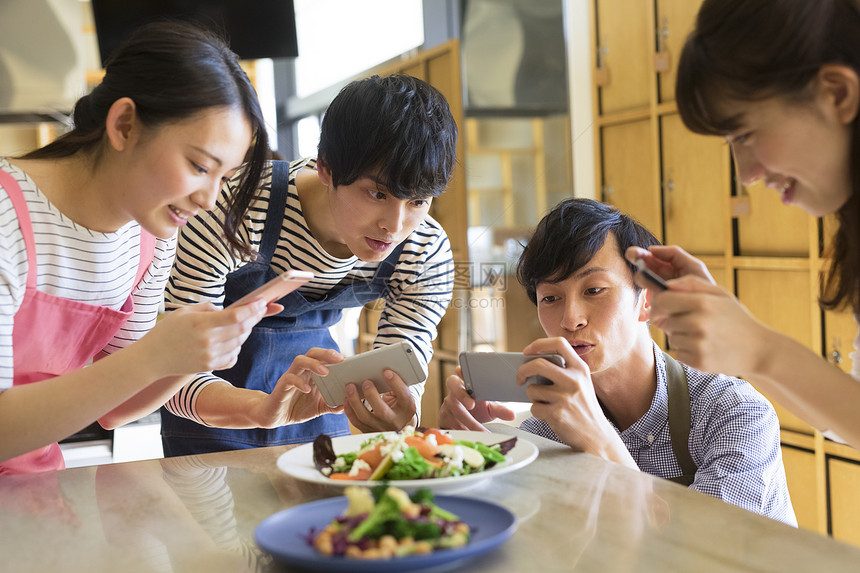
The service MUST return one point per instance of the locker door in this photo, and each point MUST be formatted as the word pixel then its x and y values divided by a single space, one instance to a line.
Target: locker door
pixel 780 299
pixel 624 48
pixel 675 19
pixel 627 173
pixel 695 179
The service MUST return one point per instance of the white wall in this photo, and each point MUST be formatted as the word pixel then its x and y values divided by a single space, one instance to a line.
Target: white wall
pixel 577 31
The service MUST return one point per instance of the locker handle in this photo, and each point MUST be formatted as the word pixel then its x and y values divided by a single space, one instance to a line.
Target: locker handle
pixel 663 58
pixel 668 200
pixel 835 355
pixel 601 70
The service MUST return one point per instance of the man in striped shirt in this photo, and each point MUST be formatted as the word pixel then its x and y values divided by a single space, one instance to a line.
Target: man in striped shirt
pixel 619 396
pixel 357 218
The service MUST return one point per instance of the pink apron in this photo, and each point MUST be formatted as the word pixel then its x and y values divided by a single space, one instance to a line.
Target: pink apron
pixel 54 335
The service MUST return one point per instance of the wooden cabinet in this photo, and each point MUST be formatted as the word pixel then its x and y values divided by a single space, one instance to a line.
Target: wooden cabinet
pixel 623 37
pixel 695 179
pixel 844 485
pixel 628 163
pixel 767 294
pixel 767 228
pixel 674 19
pixel 682 186
pixel 801 477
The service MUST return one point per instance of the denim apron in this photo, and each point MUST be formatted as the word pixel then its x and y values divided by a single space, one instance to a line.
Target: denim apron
pixel 274 342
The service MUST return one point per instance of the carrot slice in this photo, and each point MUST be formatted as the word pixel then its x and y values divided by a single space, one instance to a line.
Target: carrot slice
pixel 372 457
pixel 427 450
pixel 440 437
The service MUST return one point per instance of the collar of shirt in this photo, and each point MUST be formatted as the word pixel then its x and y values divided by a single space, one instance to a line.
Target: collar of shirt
pixel 646 430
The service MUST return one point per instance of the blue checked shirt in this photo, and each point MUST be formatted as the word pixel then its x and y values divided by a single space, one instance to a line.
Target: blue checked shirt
pixel 734 441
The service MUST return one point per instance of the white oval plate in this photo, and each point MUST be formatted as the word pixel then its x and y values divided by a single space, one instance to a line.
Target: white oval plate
pixel 299 462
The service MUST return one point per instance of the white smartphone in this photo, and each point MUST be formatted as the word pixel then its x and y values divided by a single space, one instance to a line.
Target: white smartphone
pixel 492 376
pixel 399 357
pixel 278 287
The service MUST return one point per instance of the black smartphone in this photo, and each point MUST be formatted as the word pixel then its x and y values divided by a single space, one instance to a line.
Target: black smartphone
pixel 653 278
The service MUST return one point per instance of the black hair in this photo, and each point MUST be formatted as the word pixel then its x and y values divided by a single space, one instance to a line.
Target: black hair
pixel 751 50
pixel 171 70
pixel 397 128
pixel 569 236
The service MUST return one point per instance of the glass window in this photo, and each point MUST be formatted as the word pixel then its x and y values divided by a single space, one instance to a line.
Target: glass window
pixel 339 39
pixel 308 135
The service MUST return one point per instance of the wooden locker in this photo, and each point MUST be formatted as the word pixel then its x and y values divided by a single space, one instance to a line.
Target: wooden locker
pixel 779 298
pixel 844 499
pixel 695 187
pixel 800 475
pixel 769 228
pixel 675 20
pixel 623 55
pixel 628 163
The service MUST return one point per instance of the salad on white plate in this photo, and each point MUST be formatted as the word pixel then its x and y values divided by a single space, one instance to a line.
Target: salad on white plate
pixel 409 454
pixel 443 460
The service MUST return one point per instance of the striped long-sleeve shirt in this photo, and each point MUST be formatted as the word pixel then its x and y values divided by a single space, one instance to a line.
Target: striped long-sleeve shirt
pixel 418 293
pixel 76 263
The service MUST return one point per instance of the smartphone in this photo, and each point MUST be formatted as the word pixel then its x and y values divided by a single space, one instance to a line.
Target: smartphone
pixel 653 278
pixel 277 288
pixel 400 357
pixel 492 376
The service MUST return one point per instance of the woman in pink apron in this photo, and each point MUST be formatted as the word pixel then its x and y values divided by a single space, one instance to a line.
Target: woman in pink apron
pixel 87 237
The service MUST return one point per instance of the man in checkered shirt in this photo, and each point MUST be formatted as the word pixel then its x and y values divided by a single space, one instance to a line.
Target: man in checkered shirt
pixel 611 399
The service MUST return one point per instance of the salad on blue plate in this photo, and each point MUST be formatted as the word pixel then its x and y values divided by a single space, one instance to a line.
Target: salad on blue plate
pixel 386 522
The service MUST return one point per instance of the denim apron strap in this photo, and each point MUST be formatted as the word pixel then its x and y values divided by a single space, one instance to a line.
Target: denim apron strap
pixel 277 206
pixel 679 419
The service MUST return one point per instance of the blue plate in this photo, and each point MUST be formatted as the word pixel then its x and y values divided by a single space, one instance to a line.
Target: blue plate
pixel 284 535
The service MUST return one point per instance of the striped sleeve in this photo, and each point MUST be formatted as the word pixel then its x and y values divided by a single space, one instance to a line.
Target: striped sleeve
pixel 418 295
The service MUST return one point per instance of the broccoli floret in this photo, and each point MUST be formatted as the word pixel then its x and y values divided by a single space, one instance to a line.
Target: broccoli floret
pixel 422 495
pixel 390 516
pixel 425 531
pixel 386 509
pixel 425 497
pixel 379 490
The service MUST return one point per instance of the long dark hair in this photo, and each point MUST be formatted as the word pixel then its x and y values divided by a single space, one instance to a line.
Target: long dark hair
pixel 569 236
pixel 171 70
pixel 749 50
pixel 397 125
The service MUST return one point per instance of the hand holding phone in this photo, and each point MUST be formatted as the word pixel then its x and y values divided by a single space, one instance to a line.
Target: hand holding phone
pixel 650 276
pixel 400 357
pixel 492 376
pixel 277 288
